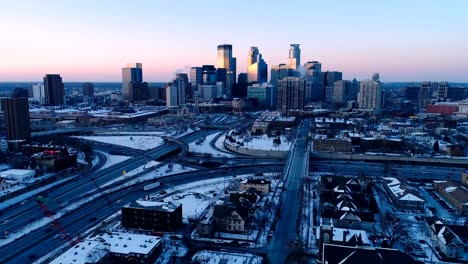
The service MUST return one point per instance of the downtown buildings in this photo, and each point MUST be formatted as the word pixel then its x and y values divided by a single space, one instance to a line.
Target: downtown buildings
pixel 257 69
pixel 54 90
pixel 133 87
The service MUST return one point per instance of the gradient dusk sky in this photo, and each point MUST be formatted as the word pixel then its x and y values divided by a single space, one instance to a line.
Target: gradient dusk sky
pixel 91 40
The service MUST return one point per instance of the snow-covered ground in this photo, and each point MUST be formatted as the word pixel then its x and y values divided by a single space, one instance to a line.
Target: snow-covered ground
pixel 206 148
pixel 263 142
pixel 135 142
pixel 112 159
pixel 215 257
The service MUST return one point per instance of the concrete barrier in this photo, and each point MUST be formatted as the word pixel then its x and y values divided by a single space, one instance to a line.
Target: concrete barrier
pixel 257 152
pixel 391 158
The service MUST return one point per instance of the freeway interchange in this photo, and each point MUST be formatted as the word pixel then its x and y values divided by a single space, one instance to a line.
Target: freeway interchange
pixel 43 239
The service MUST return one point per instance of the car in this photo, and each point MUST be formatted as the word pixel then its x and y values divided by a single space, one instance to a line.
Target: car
pixel 24 201
pixel 57 236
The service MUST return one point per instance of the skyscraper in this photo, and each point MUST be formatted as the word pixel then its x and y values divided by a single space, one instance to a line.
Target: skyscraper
pixel 227 62
pixel 54 90
pixel 370 96
pixel 294 59
pixel 175 92
pixel 16 115
pixel 224 56
pixel 344 91
pixel 39 93
pixel 132 73
pixel 188 93
pixel 88 92
pixel 265 93
pixel 314 86
pixel 209 74
pixel 279 72
pixel 257 69
pixel 20 93
pixel 196 77
pixel 313 69
pixel 291 94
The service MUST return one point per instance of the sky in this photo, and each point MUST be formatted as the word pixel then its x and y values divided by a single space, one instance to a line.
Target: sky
pixel 91 40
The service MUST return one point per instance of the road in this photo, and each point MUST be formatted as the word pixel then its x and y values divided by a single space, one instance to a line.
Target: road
pixel 41 241
pixel 283 241
pixel 395 170
pixel 20 215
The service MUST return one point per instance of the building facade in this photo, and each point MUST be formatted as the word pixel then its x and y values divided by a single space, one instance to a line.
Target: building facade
pixel 265 93
pixel 294 59
pixel 257 69
pixel 132 73
pixel 291 94
pixel 16 114
pixel 370 96
pixel 151 215
pixel 54 90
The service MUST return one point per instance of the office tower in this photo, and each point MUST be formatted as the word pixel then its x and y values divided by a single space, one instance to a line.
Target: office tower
pixel 54 90
pixel 457 93
pixel 442 90
pixel 315 90
pixel 196 77
pixel 291 94
pixel 329 93
pixel 279 72
pixel 175 92
pixel 370 96
pixel 188 93
pixel 16 115
pixel 294 59
pixel 313 69
pixel 257 69
pixel 265 93
pixel 330 77
pixel 20 93
pixel 239 89
pixel 376 77
pixel 209 74
pixel 153 92
pixel 344 91
pixel 139 91
pixel 242 78
pixel 132 73
pixel 38 91
pixel 225 59
pixel 208 91
pixel 88 93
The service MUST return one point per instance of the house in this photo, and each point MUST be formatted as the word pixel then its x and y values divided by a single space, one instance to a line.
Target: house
pixel 152 215
pixel 6 184
pixel 451 239
pixel 402 195
pixel 263 186
pixel 18 175
pixel 339 254
pixel 230 218
pixel 455 193
pixel 115 247
pixel 328 234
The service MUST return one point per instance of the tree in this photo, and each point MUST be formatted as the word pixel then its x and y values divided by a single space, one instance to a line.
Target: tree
pixel 393 228
pixel 435 148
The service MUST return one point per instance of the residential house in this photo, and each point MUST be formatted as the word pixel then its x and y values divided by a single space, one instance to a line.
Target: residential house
pixel 152 215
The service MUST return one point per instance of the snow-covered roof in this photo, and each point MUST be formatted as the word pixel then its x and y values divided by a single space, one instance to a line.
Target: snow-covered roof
pixel 152 205
pixel 223 257
pixel 342 234
pixel 93 249
pixel 411 197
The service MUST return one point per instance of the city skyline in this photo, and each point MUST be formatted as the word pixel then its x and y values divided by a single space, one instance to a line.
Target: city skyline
pixel 90 41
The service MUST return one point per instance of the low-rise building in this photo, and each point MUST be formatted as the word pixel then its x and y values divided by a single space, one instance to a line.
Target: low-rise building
pixel 455 193
pixel 230 218
pixel 464 179
pixel 260 185
pixel 356 255
pixel 115 247
pixel 152 215
pixel 402 195
pixel 18 175
pixel 332 145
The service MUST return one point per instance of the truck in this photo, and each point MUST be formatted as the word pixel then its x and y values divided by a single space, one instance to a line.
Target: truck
pixel 151 186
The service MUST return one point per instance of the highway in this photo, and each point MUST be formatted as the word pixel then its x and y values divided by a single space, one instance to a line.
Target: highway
pixel 20 215
pixel 41 241
pixel 282 243
pixel 418 172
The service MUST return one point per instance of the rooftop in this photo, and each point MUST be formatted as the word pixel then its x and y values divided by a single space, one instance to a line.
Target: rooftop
pixel 152 205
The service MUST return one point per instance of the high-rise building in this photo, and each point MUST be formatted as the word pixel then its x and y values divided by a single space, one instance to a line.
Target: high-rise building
pixel 257 69
pixel 265 93
pixel 228 63
pixel 376 77
pixel 88 92
pixel 209 74
pixel 344 91
pixel 370 96
pixel 294 59
pixel 225 59
pixel 457 93
pixel 196 77
pixel 16 115
pixel 139 91
pixel 54 90
pixel 291 94
pixel 279 72
pixel 188 87
pixel 175 92
pixel 38 91
pixel 314 85
pixel 132 73
pixel 330 77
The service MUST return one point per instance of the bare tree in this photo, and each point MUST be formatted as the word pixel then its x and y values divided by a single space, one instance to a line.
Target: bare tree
pixel 393 228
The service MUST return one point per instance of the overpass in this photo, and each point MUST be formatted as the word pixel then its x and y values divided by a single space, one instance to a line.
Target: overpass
pixel 283 242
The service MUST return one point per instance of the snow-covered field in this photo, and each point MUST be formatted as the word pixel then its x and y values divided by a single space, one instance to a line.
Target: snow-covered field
pixel 264 142
pixel 135 142
pixel 206 148
pixel 214 257
pixel 112 160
